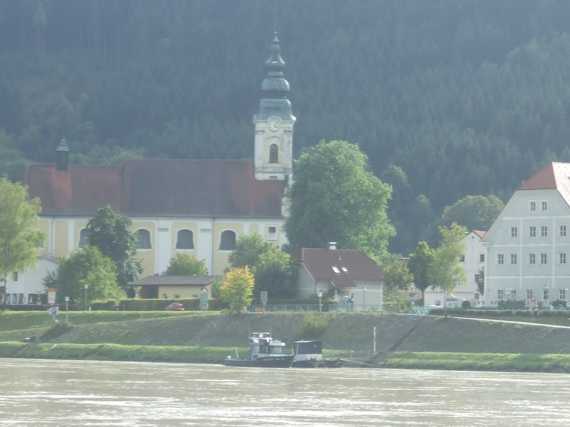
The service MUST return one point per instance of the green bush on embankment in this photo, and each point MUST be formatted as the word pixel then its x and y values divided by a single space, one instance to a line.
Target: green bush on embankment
pixel 14 320
pixel 119 352
pixel 480 361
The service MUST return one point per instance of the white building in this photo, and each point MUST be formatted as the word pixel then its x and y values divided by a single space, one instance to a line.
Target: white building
pixel 474 264
pixel 528 246
pixel 26 287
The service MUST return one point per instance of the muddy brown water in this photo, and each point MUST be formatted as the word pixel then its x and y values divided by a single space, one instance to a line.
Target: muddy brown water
pixel 89 393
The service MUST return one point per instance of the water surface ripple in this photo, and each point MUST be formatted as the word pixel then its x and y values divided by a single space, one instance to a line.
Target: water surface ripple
pixel 88 393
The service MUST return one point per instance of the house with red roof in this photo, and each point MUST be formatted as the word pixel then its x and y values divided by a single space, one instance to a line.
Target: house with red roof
pixel 528 245
pixel 199 207
pixel 345 275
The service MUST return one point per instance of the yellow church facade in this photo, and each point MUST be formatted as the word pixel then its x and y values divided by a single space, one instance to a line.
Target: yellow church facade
pixel 192 206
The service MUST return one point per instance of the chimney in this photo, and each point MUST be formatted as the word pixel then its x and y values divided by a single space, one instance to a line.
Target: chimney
pixel 332 246
pixel 62 156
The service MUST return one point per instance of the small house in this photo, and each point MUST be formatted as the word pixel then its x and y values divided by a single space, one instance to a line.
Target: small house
pixel 173 287
pixel 345 275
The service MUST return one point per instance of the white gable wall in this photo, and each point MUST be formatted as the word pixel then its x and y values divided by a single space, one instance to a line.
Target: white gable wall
pixel 528 263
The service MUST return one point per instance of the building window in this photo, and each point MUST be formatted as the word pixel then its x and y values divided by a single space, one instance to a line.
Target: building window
pixel 143 239
pixel 272 233
pixel 83 238
pixel 544 206
pixel 529 295
pixel 546 295
pixel 501 294
pixel 513 294
pixel 514 232
pixel 563 258
pixel 532 206
pixel 273 153
pixel 15 276
pixel 563 231
pixel 482 258
pixel 543 258
pixel 185 239
pixel 544 231
pixel 533 231
pixel 563 294
pixel 532 259
pixel 228 240
pixel 513 258
pixel 500 259
pixel 462 258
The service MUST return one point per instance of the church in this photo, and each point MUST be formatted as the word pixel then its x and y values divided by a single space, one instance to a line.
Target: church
pixel 196 207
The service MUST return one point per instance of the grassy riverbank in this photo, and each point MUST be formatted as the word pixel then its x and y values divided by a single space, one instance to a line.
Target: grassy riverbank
pixel 480 361
pixel 197 337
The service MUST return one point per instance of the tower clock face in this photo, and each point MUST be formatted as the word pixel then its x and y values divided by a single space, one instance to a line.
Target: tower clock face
pixel 274 124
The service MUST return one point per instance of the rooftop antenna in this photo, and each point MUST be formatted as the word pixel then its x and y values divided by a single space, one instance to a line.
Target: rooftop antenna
pixel 274 16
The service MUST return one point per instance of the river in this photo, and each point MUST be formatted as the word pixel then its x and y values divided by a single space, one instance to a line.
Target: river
pixel 89 393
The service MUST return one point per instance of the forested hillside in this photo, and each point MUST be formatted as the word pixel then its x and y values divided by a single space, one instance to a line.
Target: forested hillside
pixel 463 96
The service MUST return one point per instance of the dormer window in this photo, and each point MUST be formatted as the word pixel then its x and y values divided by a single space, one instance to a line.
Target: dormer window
pixel 335 269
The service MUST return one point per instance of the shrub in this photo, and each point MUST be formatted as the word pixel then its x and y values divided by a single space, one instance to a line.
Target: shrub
pixel 314 326
pixel 558 304
pixel 512 305
pixel 466 305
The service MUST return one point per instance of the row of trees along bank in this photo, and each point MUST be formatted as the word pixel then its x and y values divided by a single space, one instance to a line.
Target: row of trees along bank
pixel 335 197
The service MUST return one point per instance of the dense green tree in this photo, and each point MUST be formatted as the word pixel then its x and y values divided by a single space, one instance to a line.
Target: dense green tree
pixel 110 232
pixel 237 289
pixel 186 265
pixel 465 97
pixel 445 270
pixel 396 273
pixel 274 273
pixel 419 264
pixel 473 212
pixel 335 197
pixel 19 235
pixel 87 275
pixel 248 250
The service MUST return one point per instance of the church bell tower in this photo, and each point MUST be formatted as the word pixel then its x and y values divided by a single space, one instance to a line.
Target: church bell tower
pixel 274 122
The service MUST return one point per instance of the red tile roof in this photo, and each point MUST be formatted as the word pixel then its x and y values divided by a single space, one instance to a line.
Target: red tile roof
pixel 554 176
pixel 349 266
pixel 218 188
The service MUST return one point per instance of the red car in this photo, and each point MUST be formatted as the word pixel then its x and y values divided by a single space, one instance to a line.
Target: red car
pixel 175 306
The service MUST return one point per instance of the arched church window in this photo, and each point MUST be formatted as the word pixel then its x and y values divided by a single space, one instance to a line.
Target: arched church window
pixel 185 240
pixel 273 153
pixel 83 238
pixel 228 240
pixel 143 239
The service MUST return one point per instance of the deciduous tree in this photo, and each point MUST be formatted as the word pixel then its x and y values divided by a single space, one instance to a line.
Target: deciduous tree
pixel 419 264
pixel 237 289
pixel 19 235
pixel 110 233
pixel 473 212
pixel 186 265
pixel 335 197
pixel 445 270
pixel 248 250
pixel 87 275
pixel 274 273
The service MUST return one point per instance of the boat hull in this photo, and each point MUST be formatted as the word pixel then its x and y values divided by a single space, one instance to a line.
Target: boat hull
pixel 264 362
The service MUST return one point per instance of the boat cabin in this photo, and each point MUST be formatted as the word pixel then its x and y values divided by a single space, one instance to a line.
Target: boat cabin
pixel 308 350
pixel 262 344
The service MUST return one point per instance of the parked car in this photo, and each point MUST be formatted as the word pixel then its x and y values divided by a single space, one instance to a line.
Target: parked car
pixel 175 306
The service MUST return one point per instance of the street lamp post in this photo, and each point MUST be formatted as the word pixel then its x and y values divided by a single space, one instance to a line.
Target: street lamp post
pixel 85 288
pixel 66 309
